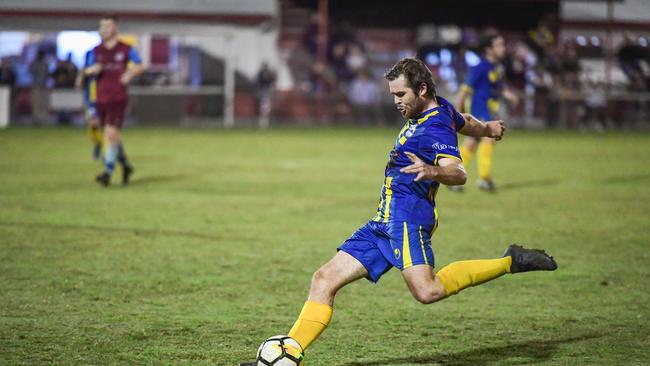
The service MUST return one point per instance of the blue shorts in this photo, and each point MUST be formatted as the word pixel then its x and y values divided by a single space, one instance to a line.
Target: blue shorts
pixel 381 246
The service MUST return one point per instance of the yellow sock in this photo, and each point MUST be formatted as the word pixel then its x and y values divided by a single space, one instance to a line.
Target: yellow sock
pixel 312 321
pixel 485 153
pixel 466 154
pixel 95 135
pixel 459 275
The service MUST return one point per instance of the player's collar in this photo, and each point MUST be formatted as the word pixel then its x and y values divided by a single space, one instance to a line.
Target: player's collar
pixel 425 115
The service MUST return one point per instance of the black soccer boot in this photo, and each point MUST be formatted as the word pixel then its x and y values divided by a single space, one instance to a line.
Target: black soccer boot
pixel 103 179
pixel 248 364
pixel 127 171
pixel 524 260
pixel 486 185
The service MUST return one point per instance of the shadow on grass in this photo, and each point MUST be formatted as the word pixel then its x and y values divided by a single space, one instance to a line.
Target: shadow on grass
pixel 114 230
pixel 527 184
pixel 532 351
pixel 149 179
pixel 633 178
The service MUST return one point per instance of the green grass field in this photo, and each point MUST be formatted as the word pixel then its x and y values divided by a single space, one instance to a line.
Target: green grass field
pixel 212 247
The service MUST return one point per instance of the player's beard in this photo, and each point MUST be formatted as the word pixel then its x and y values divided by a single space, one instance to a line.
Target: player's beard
pixel 414 110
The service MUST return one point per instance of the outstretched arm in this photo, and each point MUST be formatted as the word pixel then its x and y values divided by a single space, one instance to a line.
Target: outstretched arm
pixel 475 128
pixel 449 171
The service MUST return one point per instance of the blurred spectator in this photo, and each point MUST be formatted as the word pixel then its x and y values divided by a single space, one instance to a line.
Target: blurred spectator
pixel 569 69
pixel 633 60
pixel 40 94
pixel 541 83
pixel 310 37
pixel 7 73
pixel 596 105
pixel 364 97
pixel 340 63
pixel 8 79
pixel 65 73
pixel 265 84
pixel 356 60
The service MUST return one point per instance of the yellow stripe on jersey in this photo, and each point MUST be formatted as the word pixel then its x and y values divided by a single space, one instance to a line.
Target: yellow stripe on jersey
pixel 424 254
pixel 406 250
pixel 389 194
pixel 426 117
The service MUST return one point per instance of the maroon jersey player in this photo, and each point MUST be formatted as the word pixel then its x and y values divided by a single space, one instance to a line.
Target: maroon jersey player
pixel 114 64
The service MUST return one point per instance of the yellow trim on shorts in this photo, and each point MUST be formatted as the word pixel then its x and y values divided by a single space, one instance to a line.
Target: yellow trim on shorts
pixel 406 250
pixel 424 254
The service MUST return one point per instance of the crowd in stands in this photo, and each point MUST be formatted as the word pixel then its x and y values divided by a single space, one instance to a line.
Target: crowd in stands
pixel 556 89
pixel 31 84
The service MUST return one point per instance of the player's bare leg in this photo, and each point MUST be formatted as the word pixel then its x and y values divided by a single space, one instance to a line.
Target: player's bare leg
pixel 485 156
pixel 316 314
pixel 428 287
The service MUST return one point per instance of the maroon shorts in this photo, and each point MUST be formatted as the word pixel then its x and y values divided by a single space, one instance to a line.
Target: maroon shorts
pixel 111 113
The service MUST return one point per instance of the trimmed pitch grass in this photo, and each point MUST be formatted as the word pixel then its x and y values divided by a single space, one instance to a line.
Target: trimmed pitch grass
pixel 212 247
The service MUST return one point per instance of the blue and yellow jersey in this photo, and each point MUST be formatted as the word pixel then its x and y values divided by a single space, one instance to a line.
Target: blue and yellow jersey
pixel 431 136
pixel 485 82
pixel 90 82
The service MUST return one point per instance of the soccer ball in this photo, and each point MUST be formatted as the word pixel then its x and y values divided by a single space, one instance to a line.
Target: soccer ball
pixel 280 350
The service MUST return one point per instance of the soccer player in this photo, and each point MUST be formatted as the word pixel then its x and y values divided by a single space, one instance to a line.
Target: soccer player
pixel 108 63
pixel 89 86
pixel 484 83
pixel 424 156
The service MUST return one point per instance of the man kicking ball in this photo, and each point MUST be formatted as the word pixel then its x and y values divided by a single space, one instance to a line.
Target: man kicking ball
pixel 425 155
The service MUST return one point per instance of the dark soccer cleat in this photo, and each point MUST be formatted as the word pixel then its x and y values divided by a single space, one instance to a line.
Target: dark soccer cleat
pixel 486 185
pixel 103 179
pixel 248 364
pixel 524 260
pixel 127 171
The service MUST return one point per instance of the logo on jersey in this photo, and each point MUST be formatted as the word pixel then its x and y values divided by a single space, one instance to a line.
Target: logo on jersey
pixel 438 146
pixel 397 253
pixel 410 131
pixel 119 57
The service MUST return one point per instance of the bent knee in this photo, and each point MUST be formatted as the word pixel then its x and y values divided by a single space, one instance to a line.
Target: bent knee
pixel 428 295
pixel 321 281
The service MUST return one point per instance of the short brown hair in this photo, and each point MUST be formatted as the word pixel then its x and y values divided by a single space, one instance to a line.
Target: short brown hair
pixel 110 16
pixel 415 72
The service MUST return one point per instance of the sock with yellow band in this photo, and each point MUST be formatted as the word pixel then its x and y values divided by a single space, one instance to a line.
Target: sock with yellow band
pixel 459 275
pixel 466 154
pixel 485 153
pixel 312 321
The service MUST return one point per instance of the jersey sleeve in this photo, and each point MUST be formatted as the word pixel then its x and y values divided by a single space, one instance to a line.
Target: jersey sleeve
pixel 90 58
pixel 459 120
pixel 472 78
pixel 439 141
pixel 134 56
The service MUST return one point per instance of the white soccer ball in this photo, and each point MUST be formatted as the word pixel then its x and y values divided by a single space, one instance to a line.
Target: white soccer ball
pixel 280 350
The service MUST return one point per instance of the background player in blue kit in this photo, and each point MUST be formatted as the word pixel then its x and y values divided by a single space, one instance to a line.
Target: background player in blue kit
pixel 88 84
pixel 424 156
pixel 484 83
